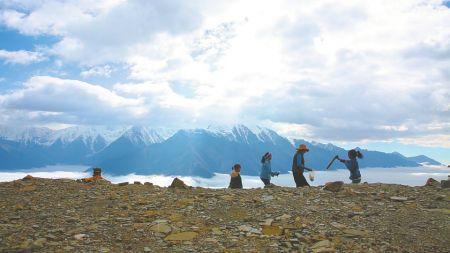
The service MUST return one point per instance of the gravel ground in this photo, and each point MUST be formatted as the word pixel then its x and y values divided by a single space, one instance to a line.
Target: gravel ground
pixel 44 215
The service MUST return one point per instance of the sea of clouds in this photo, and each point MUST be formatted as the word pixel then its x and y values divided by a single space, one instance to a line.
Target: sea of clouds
pixel 414 176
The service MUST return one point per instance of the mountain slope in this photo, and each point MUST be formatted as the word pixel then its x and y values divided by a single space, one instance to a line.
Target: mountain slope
pixel 423 159
pixel 144 150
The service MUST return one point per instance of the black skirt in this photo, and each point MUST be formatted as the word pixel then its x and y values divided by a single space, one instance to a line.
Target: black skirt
pixel 300 180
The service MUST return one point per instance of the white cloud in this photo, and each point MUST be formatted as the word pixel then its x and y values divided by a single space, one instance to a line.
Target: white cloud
pixel 437 140
pixel 21 57
pixel 97 32
pixel 352 70
pixel 101 71
pixel 45 98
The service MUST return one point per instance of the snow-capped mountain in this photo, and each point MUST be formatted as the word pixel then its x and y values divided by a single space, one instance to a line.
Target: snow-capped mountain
pixel 141 135
pixel 145 150
pixel 46 136
pixel 242 133
pixel 26 135
pixel 87 134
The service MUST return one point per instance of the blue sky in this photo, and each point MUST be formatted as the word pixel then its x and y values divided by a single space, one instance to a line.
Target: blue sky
pixel 356 73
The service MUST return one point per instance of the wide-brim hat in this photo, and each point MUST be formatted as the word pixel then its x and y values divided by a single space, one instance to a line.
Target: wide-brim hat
pixel 302 147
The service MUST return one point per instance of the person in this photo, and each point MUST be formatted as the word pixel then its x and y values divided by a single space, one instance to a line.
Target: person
pixel 352 165
pixel 298 166
pixel 235 180
pixel 266 170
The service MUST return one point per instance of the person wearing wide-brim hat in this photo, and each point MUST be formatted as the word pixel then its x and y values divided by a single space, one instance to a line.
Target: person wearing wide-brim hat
pixel 298 166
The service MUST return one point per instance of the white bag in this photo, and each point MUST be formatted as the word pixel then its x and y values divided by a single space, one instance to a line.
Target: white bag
pixel 311 175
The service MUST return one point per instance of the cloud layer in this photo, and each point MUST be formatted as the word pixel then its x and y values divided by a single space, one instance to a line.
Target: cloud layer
pixel 20 57
pixel 326 70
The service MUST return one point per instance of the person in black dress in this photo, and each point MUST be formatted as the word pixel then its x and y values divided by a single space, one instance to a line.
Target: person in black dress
pixel 298 166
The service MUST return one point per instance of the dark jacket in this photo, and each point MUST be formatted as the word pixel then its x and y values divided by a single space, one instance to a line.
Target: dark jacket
pixel 297 164
pixel 353 166
pixel 235 181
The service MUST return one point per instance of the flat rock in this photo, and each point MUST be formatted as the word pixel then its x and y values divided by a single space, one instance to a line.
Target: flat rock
pixel 161 228
pixel 350 232
pixel 181 236
pixel 333 186
pixel 272 230
pixel 400 199
pixel 267 222
pixel 284 217
pixel 247 228
pixel 323 246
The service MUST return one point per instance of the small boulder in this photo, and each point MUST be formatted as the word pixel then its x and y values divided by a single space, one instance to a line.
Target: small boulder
pixel 432 182
pixel 178 183
pixel 333 186
pixel 161 228
pixel 137 182
pixel 123 183
pixel 27 177
pixel 148 184
pixel 445 183
pixel 80 236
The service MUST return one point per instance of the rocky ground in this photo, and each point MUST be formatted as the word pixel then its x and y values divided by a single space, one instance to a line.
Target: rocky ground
pixel 43 215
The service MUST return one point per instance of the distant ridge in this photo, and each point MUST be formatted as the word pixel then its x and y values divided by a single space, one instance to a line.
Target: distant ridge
pixel 424 160
pixel 199 152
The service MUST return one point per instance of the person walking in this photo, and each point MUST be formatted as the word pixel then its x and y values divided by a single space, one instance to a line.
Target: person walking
pixel 235 180
pixel 266 170
pixel 352 165
pixel 298 166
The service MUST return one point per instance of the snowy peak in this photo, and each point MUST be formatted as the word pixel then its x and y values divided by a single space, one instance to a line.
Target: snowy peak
pixel 328 146
pixel 26 135
pixel 267 135
pixel 87 135
pixel 244 134
pixel 141 135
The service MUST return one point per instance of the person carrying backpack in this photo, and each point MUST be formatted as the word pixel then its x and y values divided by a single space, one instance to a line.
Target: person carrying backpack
pixel 298 166
pixel 266 169
pixel 235 180
pixel 352 165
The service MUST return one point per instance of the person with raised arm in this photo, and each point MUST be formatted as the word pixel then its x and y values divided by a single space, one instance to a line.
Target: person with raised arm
pixel 352 165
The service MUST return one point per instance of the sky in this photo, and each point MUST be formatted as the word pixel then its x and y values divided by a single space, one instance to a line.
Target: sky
pixel 373 74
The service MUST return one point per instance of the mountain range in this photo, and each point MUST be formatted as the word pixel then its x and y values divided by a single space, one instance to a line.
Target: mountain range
pixel 195 152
